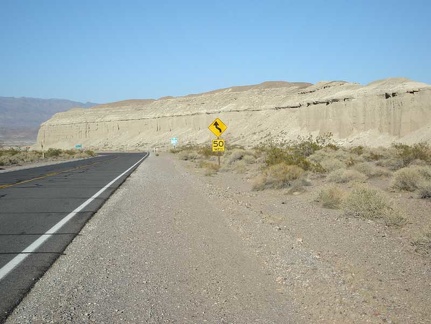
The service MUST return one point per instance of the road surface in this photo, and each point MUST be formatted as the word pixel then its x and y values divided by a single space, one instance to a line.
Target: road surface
pixel 42 209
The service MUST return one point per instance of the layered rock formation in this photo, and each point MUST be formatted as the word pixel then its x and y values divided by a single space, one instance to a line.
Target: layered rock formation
pixel 377 114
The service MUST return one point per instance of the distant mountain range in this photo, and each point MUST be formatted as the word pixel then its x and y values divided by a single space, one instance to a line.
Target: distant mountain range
pixel 20 118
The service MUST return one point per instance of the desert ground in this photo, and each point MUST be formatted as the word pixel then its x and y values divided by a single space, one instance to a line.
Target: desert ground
pixel 340 268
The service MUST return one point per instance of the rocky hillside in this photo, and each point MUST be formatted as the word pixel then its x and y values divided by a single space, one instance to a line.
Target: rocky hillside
pixel 376 114
pixel 20 118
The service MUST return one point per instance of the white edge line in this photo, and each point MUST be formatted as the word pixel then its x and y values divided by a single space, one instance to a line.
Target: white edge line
pixel 36 244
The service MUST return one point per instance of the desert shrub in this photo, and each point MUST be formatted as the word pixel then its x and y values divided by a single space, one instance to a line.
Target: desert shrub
pixel 239 155
pixel 401 155
pixel 368 203
pixel 186 147
pixel 239 167
pixel 295 152
pixel 411 178
pixel 319 156
pixel 70 152
pixel 344 155
pixel 371 170
pixel 424 190
pixel 92 153
pixel 206 151
pixel 5 160
pixel 9 151
pixel 331 197
pixel 418 163
pixel 365 203
pixel 374 154
pixel 277 155
pixel 238 160
pixel 187 155
pixel 344 176
pixel 331 164
pixel 52 153
pixel 423 244
pixel 17 157
pixel 298 186
pixel 425 172
pixel 277 176
pixel 358 150
pixel 392 163
pixel 306 146
pixel 210 167
pixel 409 153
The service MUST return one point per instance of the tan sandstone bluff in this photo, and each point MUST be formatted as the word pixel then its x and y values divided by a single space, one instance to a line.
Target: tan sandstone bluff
pixel 378 114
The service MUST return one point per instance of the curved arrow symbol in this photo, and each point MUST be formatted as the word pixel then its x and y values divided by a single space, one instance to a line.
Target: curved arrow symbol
pixel 216 125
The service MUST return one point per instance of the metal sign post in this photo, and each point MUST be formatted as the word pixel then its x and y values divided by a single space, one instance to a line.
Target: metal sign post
pixel 217 127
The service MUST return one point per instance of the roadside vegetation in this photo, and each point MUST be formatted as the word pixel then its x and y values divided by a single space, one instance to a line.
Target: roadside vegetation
pixel 360 182
pixel 19 156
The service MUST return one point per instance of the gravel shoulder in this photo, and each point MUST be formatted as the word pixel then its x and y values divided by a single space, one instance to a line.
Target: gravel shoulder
pixel 175 246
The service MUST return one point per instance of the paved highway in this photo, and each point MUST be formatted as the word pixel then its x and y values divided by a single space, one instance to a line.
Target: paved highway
pixel 42 209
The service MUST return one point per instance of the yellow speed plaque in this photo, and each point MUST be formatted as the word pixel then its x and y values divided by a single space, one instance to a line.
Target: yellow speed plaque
pixel 218 145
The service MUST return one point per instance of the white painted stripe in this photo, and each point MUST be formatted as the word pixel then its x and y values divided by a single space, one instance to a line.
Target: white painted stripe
pixel 36 244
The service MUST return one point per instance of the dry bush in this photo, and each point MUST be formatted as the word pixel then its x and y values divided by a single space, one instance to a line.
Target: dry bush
pixel 391 163
pixel 385 157
pixel 238 160
pixel 319 156
pixel 348 157
pixel 18 157
pixel 326 156
pixel 238 155
pixel 424 190
pixel 53 153
pixel 331 197
pixel 344 176
pixel 331 164
pixel 423 244
pixel 418 163
pixel 368 203
pixel 187 155
pixel 372 154
pixel 238 167
pixel 277 176
pixel 409 153
pixel 296 152
pixel 425 172
pixel 298 185
pixel 401 155
pixel 210 167
pixel 412 178
pixel 6 160
pixel 371 170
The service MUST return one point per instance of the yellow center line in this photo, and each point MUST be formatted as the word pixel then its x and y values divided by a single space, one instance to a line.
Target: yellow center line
pixel 47 175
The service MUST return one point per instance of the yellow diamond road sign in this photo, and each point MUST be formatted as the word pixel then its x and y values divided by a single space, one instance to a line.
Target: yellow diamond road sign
pixel 217 127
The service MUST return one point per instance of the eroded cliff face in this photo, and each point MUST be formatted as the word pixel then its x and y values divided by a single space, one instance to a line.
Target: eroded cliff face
pixel 377 114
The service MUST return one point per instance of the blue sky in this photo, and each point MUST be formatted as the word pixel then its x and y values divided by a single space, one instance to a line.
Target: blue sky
pixel 104 51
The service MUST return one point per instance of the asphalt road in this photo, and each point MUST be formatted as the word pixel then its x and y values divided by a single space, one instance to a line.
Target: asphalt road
pixel 42 209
